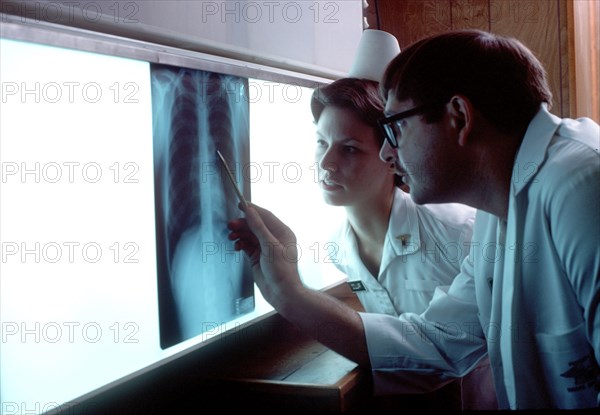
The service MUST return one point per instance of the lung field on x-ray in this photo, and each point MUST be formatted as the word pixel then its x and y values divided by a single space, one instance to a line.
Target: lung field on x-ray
pixel 202 281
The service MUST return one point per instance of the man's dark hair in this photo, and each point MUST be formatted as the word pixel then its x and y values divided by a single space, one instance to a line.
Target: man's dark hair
pixel 500 76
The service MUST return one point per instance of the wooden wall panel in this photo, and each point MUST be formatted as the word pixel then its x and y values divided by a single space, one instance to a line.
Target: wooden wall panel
pixel 585 59
pixel 470 14
pixel 536 24
pixel 411 20
pixel 540 24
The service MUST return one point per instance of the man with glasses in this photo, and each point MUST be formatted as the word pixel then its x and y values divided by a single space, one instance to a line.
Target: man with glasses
pixel 469 123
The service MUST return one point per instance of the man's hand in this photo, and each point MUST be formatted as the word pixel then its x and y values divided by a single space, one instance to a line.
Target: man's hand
pixel 271 246
pixel 272 249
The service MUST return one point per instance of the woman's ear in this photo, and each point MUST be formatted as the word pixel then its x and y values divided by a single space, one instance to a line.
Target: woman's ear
pixel 461 117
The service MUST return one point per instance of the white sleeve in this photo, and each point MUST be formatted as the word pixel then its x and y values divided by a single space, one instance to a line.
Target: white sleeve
pixel 444 342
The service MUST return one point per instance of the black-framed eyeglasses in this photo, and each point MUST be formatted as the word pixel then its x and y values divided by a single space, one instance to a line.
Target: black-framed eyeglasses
pixel 390 126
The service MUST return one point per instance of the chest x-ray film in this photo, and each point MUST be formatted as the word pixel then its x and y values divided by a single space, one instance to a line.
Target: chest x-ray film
pixel 202 281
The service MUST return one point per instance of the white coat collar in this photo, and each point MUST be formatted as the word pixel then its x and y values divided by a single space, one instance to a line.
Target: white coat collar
pixel 402 238
pixel 529 157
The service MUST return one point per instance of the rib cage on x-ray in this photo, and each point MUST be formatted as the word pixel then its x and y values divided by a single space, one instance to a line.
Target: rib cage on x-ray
pixel 203 282
pixel 184 192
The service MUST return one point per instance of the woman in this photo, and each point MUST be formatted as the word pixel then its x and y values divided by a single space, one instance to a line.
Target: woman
pixel 394 252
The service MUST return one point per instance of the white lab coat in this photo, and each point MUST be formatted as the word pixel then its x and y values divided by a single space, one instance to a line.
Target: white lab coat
pixel 423 249
pixel 528 293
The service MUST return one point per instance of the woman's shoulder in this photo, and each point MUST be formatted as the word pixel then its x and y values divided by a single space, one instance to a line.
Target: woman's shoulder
pixel 449 216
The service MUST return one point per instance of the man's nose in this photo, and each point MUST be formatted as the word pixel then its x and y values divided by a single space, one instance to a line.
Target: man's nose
pixel 387 153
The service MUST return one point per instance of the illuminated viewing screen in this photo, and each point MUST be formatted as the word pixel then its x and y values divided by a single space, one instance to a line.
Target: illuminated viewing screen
pixel 113 212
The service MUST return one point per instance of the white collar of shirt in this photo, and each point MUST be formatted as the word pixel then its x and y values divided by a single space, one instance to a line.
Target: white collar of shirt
pixel 529 157
pixel 402 238
pixel 539 134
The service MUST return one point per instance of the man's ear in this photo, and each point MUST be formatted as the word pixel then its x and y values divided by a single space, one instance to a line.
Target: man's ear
pixel 461 117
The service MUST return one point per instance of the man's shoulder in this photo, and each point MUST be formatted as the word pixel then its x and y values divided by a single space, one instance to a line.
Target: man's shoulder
pixel 571 160
pixel 581 130
pixel 452 216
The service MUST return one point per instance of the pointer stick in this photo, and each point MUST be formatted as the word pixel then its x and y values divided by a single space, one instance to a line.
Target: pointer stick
pixel 232 180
